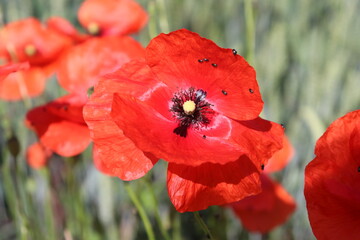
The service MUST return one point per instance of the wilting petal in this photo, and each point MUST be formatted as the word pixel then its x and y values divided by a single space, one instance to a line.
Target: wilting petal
pixel 67 135
pixel 229 81
pixel 281 158
pixel 266 210
pixel 80 68
pixel 115 154
pixel 112 17
pixel 22 84
pixel 332 181
pixel 196 188
pixel 37 155
pixel 153 132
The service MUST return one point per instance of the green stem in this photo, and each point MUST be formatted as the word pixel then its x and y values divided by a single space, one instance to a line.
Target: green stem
pixel 250 31
pixel 141 211
pixel 156 211
pixel 203 225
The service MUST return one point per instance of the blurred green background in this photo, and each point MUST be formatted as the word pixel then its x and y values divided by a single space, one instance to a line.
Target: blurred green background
pixel 307 57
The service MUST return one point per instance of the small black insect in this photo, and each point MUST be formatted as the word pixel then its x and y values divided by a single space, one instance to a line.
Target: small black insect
pixel 251 91
pixel 204 136
pixel 200 61
pixel 262 166
pixel 206 60
pixel 224 92
pixel 214 64
pixel 234 51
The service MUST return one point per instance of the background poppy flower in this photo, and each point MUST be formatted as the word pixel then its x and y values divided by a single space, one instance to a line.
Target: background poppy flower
pixel 60 126
pixel 82 64
pixel 273 206
pixel 332 181
pixel 184 118
pixel 37 155
pixel 5 70
pixel 112 17
pixel 37 44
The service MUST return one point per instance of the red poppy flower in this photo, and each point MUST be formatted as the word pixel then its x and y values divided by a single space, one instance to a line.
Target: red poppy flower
pixel 37 45
pixel 273 206
pixel 193 104
pixel 60 125
pixel 112 17
pixel 37 155
pixel 332 181
pixel 80 67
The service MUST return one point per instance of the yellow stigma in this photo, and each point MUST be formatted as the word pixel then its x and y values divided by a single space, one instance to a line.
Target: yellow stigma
pixel 30 50
pixel 189 107
pixel 93 28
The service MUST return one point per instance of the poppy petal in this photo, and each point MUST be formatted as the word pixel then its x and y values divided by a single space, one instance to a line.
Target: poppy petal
pixel 37 155
pixel 22 84
pixel 332 181
pixel 64 27
pixel 5 70
pixel 115 154
pixel 261 139
pixel 65 135
pixel 153 132
pixel 196 188
pixel 81 66
pixel 266 210
pixel 280 158
pixel 183 59
pixel 112 17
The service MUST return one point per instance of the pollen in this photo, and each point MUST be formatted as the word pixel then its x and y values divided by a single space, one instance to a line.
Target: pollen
pixel 93 28
pixel 30 50
pixel 189 107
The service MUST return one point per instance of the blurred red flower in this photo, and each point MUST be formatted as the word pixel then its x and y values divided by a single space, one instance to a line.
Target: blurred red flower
pixel 60 125
pixel 112 17
pixel 38 46
pixel 332 181
pixel 193 104
pixel 273 206
pixel 82 64
pixel 5 70
pixel 37 155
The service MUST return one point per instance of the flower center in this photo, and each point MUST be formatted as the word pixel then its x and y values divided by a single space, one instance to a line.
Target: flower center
pixel 189 107
pixel 191 110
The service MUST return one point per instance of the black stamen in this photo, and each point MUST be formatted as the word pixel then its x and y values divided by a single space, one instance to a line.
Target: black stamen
pixel 214 64
pixel 251 91
pixel 200 61
pixel 181 130
pixel 206 60
pixel 224 92
pixel 262 166
pixel 234 51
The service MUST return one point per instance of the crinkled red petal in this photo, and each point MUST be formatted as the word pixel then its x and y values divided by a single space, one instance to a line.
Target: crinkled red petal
pixel 115 154
pixel 332 181
pixel 151 129
pixel 183 59
pixel 259 138
pixel 267 210
pixel 23 84
pixel 81 66
pixel 196 188
pixel 281 158
pixel 113 17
